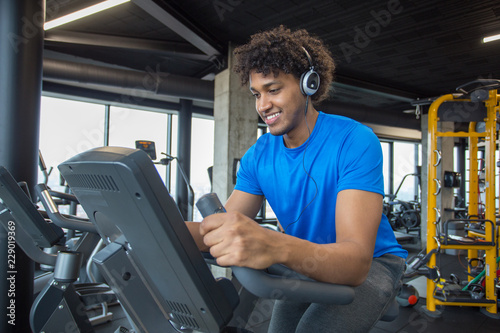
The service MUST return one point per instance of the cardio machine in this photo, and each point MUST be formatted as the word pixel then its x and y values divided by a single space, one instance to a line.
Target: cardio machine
pixel 60 302
pixel 150 259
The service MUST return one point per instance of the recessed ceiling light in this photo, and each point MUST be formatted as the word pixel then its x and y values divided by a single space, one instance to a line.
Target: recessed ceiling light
pixel 491 38
pixel 82 13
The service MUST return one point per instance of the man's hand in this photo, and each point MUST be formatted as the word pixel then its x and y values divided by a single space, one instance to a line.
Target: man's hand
pixel 236 240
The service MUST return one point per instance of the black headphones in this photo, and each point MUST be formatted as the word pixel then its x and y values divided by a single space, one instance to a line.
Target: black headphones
pixel 309 81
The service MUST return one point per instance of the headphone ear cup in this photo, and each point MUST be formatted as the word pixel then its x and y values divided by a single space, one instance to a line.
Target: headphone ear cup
pixel 309 83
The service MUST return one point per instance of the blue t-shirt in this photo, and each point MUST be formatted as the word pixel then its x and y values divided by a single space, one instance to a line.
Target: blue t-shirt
pixel 340 154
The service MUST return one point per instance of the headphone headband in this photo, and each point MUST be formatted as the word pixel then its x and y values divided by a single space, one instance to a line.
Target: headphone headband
pixel 308 58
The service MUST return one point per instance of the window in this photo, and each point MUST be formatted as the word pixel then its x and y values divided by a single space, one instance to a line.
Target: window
pixel 401 159
pixel 67 128
pixel 128 125
pixel 202 157
pixel 405 164
pixel 387 167
pixel 266 211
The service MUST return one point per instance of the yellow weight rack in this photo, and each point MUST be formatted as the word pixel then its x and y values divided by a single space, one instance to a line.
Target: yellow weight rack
pixel 488 238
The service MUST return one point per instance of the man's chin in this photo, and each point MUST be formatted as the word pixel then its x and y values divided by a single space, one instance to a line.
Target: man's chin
pixel 276 132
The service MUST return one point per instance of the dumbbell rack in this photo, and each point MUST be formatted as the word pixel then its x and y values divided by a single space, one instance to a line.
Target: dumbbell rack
pixel 487 239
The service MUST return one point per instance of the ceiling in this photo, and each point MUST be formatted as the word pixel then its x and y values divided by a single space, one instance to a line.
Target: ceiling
pixel 388 52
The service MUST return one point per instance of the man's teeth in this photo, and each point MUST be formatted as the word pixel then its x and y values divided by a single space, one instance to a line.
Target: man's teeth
pixel 272 116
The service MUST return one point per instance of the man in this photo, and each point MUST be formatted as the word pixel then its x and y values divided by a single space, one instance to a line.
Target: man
pixel 322 175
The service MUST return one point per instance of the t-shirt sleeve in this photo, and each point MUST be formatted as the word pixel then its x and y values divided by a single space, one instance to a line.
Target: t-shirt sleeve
pixel 247 180
pixel 361 162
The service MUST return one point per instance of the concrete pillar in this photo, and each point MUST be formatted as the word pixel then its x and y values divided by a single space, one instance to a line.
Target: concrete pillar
pixel 236 123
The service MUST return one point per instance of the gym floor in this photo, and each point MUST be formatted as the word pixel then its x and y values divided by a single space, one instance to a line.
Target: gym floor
pixel 410 320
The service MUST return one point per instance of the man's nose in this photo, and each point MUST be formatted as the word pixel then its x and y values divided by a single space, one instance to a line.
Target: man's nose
pixel 263 104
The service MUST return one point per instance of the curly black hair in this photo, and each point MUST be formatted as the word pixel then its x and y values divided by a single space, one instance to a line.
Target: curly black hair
pixel 280 49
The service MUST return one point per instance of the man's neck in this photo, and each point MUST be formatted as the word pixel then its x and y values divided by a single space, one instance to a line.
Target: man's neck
pixel 303 131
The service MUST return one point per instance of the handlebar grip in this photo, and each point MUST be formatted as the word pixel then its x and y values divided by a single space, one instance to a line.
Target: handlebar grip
pixel 56 217
pixel 210 204
pixel 63 196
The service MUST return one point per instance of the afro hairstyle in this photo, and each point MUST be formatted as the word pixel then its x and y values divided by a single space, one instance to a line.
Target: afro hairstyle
pixel 280 49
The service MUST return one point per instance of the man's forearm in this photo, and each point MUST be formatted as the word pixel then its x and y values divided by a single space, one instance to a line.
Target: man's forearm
pixel 341 263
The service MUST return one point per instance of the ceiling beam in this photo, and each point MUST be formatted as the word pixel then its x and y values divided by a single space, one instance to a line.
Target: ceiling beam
pixel 374 88
pixel 179 25
pixel 133 84
pixel 79 93
pixel 366 114
pixel 174 49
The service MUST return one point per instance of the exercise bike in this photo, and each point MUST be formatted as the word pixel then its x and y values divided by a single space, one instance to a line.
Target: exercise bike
pixel 164 282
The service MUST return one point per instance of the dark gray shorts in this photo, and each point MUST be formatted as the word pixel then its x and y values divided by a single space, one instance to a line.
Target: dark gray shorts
pixel 371 299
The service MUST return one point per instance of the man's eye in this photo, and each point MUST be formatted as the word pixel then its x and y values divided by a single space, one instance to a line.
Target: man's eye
pixel 274 91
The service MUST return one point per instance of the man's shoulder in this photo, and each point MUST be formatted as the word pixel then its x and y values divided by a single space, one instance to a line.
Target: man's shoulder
pixel 338 124
pixel 338 119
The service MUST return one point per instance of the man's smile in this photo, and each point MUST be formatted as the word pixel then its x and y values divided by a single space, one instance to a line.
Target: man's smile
pixel 270 119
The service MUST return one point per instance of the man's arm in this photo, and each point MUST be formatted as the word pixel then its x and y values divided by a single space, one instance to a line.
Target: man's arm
pixel 347 261
pixel 245 203
pixel 234 239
